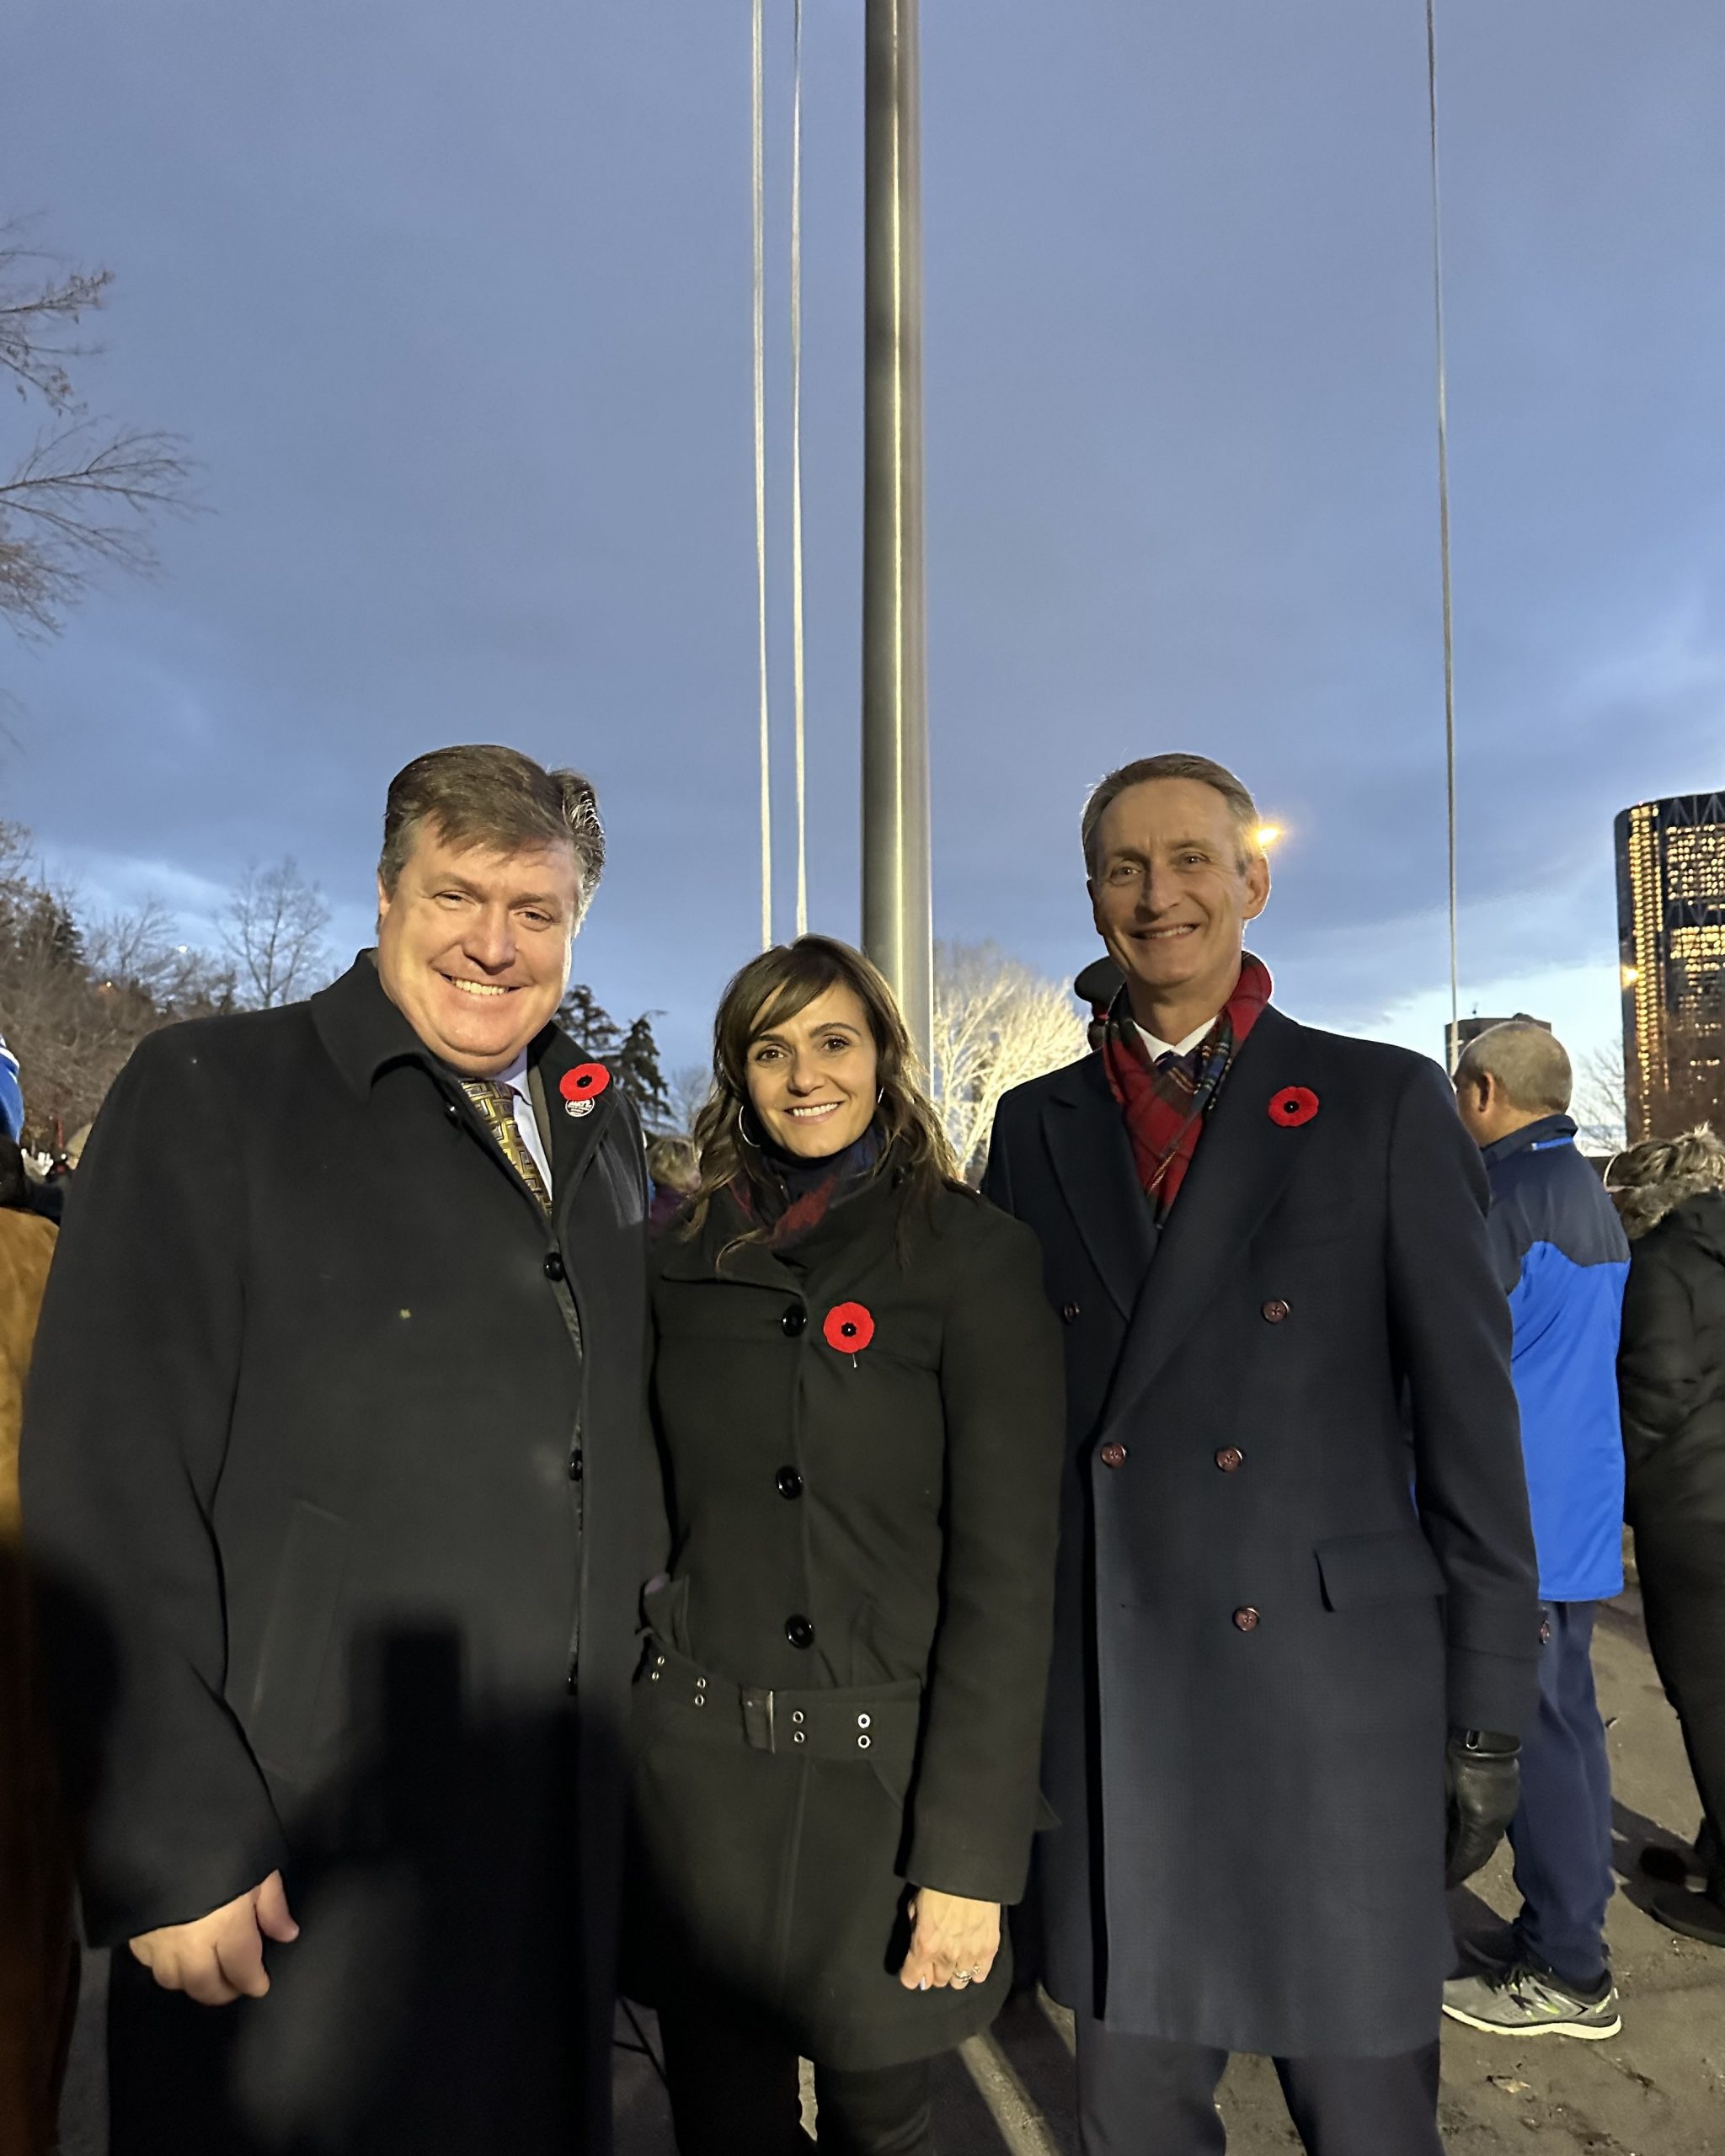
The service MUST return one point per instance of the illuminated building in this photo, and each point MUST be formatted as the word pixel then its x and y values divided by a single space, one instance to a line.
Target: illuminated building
pixel 1671 953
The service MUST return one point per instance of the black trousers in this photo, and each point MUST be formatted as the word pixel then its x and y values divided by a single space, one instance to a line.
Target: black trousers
pixel 1141 2096
pixel 1682 1570
pixel 734 2092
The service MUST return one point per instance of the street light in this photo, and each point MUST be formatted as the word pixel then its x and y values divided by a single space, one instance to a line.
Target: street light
pixel 1266 835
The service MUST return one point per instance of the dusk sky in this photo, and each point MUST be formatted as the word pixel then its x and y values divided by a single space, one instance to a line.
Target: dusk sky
pixel 453 303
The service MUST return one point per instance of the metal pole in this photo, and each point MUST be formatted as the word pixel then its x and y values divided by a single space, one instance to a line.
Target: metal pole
pixel 897 918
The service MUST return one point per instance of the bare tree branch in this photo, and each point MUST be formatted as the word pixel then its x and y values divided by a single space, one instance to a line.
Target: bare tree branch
pixel 996 1025
pixel 87 492
pixel 42 300
pixel 1598 1100
pixel 274 937
pixel 687 1091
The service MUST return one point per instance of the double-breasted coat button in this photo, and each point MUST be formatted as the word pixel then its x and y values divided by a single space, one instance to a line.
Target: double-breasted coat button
pixel 553 1265
pixel 1230 1458
pixel 788 1483
pixel 1070 1312
pixel 575 1469
pixel 794 1321
pixel 1275 1311
pixel 1114 1454
pixel 1247 1619
pixel 799 1631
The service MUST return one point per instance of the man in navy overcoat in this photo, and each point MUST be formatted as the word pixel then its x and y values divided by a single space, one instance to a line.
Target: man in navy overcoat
pixel 1298 1628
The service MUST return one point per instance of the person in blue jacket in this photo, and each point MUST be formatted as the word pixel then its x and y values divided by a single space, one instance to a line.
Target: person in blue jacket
pixel 1562 1257
pixel 11 1095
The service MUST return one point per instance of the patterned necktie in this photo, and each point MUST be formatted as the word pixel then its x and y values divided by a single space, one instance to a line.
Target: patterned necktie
pixel 495 1101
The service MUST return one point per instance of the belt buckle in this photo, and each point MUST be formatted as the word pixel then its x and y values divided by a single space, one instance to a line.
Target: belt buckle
pixel 755 1700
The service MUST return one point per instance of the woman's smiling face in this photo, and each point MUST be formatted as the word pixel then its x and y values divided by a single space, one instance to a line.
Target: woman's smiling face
pixel 813 1079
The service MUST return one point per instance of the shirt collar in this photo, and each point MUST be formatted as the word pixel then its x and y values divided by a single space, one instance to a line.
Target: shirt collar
pixel 1158 1048
pixel 1548 1133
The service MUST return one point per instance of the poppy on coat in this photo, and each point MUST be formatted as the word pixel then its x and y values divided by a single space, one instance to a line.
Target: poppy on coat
pixel 1293 1106
pixel 848 1327
pixel 585 1082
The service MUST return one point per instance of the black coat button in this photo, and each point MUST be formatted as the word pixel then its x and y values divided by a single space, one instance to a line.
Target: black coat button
pixel 575 1467
pixel 574 1679
pixel 1230 1458
pixel 451 1111
pixel 789 1483
pixel 1274 1311
pixel 799 1631
pixel 553 1265
pixel 794 1321
pixel 1070 1312
pixel 1247 1619
pixel 1113 1456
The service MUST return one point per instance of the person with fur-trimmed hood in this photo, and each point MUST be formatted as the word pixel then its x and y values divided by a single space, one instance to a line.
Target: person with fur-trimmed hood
pixel 1671 1384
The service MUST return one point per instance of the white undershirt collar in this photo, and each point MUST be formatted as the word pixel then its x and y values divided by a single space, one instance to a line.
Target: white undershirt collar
pixel 1158 1048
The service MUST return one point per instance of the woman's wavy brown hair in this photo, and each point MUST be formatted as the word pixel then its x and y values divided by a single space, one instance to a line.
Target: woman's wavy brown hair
pixel 765 992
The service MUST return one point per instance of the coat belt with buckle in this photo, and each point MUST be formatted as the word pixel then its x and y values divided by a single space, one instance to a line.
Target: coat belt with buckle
pixel 877 1722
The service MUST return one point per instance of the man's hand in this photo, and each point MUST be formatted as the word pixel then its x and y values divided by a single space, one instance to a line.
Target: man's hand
pixel 954 1941
pixel 1485 1787
pixel 221 1956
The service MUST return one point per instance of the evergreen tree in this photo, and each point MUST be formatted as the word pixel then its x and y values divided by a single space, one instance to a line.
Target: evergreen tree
pixel 629 1053
pixel 638 1071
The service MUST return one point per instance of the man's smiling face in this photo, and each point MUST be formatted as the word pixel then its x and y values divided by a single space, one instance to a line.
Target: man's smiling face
pixel 1173 887
pixel 473 946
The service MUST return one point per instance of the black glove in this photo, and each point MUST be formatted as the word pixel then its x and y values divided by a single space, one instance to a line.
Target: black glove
pixel 1483 1777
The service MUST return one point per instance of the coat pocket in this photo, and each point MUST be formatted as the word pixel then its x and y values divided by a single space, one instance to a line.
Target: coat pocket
pixel 1361 1571
pixel 282 1718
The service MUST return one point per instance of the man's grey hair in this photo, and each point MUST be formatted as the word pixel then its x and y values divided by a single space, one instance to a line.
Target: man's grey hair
pixel 1529 1062
pixel 1242 810
pixel 479 794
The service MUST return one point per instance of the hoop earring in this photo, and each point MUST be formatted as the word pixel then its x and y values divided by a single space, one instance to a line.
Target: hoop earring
pixel 753 1143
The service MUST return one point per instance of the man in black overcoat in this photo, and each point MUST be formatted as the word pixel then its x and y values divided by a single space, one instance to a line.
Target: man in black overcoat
pixel 1297 1605
pixel 334 1483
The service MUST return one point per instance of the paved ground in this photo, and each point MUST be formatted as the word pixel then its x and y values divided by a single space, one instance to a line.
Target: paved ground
pixel 1656 2090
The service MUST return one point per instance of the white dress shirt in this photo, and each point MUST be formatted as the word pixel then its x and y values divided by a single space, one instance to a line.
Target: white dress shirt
pixel 515 1078
pixel 1160 1049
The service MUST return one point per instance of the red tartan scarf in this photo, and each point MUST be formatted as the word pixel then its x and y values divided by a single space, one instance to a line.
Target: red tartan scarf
pixel 1165 1107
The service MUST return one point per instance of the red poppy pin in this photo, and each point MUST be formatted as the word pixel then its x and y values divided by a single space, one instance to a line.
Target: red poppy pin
pixel 581 1086
pixel 1293 1106
pixel 849 1328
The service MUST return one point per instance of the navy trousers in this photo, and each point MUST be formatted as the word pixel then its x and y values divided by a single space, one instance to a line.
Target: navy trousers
pixel 1143 2096
pixel 1561 1833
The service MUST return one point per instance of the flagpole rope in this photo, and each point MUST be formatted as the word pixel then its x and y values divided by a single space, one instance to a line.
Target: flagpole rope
pixel 1442 396
pixel 758 146
pixel 797 465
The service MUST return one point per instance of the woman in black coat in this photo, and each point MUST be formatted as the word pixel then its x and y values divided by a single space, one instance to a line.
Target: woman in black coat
pixel 857 1397
pixel 1671 1384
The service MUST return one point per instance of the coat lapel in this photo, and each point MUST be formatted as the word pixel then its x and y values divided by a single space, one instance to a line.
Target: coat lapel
pixel 1242 1161
pixel 574 1139
pixel 1092 1153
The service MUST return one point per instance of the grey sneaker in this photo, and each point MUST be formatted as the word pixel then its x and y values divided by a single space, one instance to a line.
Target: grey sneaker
pixel 1523 2002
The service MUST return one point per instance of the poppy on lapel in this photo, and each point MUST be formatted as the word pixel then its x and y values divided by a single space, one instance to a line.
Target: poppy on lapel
pixel 581 1086
pixel 848 1327
pixel 1292 1105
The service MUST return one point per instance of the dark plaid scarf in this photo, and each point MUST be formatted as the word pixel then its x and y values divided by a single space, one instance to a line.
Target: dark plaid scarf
pixel 789 1196
pixel 1166 1102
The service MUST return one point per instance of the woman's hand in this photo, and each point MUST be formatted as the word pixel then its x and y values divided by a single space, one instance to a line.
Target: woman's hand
pixel 953 1941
